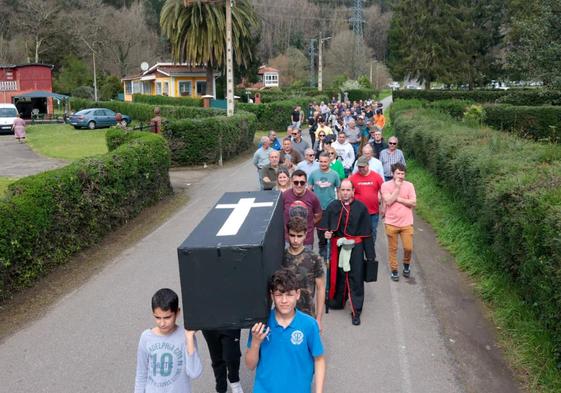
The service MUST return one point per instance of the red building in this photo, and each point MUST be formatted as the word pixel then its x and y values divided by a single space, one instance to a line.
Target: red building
pixel 16 80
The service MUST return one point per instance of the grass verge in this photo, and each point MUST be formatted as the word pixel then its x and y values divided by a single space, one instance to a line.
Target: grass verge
pixel 384 93
pixel 4 183
pixel 527 345
pixel 64 142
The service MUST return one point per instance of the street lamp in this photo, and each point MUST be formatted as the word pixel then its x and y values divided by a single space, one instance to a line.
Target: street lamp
pixel 320 61
pixel 229 51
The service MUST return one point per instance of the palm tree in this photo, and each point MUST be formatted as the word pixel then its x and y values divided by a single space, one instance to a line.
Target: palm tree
pixel 197 32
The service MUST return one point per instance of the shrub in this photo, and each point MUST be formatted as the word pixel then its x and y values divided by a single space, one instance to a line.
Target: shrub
pixel 474 115
pixel 197 141
pixel 454 108
pixel 46 218
pixel 510 186
pixel 144 112
pixel 164 100
pixel 534 122
pixel 362 94
pixel 276 115
pixel 529 97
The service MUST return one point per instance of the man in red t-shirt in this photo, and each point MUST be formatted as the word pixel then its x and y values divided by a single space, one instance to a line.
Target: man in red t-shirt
pixel 367 185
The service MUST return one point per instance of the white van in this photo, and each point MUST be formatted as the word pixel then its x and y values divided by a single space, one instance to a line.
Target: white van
pixel 8 113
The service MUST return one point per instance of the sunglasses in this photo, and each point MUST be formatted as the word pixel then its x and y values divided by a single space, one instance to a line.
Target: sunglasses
pixel 299 182
pixel 331 154
pixel 392 143
pixel 321 136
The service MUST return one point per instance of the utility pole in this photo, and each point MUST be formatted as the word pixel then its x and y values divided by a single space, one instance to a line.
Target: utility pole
pixel 357 20
pixel 320 61
pixel 229 61
pixel 312 60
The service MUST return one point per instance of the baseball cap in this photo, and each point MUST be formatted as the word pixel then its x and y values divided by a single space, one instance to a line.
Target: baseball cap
pixel 362 161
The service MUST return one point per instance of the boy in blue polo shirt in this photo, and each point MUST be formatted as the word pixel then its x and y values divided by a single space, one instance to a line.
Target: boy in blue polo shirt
pixel 288 349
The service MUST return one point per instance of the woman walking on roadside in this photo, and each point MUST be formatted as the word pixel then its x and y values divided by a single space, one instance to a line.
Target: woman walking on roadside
pixel 19 128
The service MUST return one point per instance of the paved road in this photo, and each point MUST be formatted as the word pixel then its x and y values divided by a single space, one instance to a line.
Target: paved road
pixel 18 160
pixel 406 343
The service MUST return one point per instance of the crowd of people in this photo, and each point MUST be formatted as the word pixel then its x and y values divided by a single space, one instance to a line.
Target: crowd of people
pixel 334 189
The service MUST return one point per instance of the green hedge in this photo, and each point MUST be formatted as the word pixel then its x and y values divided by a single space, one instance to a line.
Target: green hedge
pixel 437 95
pixel 362 94
pixel 165 100
pixel 510 186
pixel 455 108
pixel 534 122
pixel 197 141
pixel 536 97
pixel 144 112
pixel 528 97
pixel 46 218
pixel 276 115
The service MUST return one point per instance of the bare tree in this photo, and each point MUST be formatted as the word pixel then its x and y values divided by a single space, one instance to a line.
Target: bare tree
pixel 292 66
pixel 340 57
pixel 286 23
pixel 38 22
pixel 128 42
pixel 376 30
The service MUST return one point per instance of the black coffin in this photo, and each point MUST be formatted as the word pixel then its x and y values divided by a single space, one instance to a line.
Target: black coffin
pixel 226 262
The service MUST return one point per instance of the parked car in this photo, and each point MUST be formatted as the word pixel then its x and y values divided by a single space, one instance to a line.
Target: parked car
pixel 95 118
pixel 394 85
pixel 8 113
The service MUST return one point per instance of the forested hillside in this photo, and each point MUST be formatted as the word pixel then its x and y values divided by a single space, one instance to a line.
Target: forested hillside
pixel 446 41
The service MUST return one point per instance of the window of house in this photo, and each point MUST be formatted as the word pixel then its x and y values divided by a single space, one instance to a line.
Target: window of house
pixel 136 87
pixel 185 88
pixel 158 88
pixel 166 89
pixel 128 87
pixel 271 78
pixel 201 88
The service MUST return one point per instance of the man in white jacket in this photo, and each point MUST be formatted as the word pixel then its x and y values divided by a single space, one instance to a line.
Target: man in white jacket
pixel 344 151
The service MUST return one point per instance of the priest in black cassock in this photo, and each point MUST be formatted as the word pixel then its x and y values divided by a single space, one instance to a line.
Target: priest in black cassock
pixel 347 224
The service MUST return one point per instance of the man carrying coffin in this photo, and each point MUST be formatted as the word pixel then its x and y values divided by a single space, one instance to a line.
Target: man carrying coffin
pixel 347 223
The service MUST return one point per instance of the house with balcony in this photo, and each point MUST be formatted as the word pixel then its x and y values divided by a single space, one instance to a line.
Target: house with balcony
pixel 28 86
pixel 268 76
pixel 168 79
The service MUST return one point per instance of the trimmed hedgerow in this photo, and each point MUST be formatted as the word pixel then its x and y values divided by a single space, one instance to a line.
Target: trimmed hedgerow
pixel 276 115
pixel 362 94
pixel 197 141
pixel 46 218
pixel 536 97
pixel 165 100
pixel 534 122
pixel 510 186
pixel 437 95
pixel 144 112
pixel 530 97
pixel 456 108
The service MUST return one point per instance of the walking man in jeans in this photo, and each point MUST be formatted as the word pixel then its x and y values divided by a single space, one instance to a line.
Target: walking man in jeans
pixel 399 199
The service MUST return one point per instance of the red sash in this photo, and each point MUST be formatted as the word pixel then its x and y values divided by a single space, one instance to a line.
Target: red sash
pixel 334 261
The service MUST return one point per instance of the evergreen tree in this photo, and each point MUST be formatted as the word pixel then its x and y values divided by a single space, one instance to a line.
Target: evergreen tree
pixel 534 40
pixel 425 40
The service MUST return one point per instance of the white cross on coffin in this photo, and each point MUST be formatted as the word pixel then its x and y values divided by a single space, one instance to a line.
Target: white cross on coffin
pixel 236 219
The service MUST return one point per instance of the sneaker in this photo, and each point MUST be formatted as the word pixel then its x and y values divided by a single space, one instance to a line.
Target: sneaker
pixel 395 275
pixel 236 387
pixel 406 270
pixel 356 319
